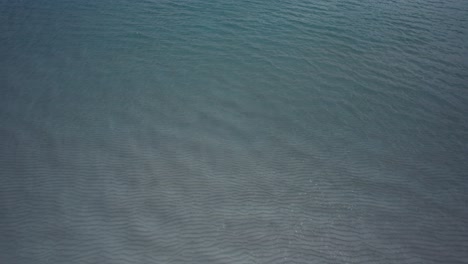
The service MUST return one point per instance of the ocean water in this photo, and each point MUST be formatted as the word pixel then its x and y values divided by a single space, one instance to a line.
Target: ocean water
pixel 224 131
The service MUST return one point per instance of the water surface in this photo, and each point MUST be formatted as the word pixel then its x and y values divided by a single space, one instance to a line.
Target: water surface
pixel 233 131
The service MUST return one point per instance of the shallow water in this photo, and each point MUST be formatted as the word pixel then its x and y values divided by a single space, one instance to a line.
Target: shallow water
pixel 233 131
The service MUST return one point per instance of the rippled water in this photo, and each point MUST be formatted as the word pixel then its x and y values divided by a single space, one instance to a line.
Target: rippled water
pixel 233 131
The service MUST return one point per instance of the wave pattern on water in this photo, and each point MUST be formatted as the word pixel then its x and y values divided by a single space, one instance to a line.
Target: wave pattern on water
pixel 233 131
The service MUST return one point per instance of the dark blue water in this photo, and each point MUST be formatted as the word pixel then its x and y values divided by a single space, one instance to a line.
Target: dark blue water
pixel 233 131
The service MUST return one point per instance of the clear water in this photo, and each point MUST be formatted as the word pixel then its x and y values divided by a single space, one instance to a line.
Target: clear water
pixel 227 131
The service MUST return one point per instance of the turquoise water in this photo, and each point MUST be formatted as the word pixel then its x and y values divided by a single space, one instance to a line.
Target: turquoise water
pixel 233 131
